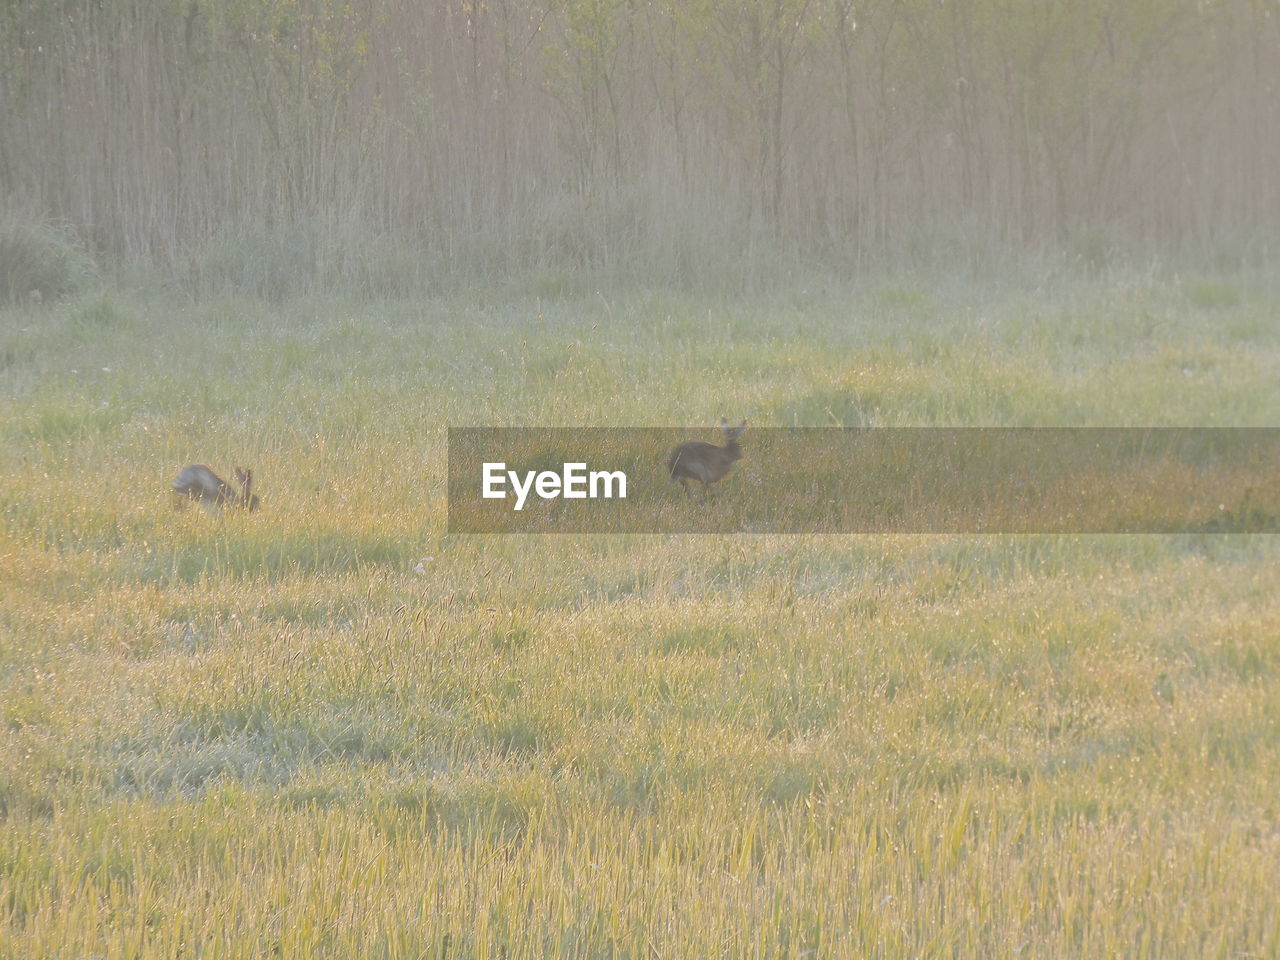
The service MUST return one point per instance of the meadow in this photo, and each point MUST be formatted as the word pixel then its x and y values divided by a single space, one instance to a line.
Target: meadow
pixel 331 729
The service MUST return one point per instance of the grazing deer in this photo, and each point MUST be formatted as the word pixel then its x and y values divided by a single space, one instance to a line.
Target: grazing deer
pixel 198 482
pixel 705 462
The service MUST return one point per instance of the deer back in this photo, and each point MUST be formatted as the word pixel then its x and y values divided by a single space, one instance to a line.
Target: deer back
pixel 200 483
pixel 703 461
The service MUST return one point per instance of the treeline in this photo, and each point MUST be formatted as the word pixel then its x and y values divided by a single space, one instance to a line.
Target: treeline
pixel 597 130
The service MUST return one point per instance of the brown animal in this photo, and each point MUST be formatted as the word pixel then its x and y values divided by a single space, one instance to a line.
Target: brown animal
pixel 198 482
pixel 705 462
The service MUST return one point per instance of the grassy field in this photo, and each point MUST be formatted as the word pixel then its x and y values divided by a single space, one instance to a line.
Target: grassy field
pixel 328 729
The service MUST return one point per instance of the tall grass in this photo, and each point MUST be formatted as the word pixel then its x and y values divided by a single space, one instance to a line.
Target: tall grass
pixel 595 133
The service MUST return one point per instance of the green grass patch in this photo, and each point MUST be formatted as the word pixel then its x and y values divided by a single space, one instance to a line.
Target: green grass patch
pixel 327 729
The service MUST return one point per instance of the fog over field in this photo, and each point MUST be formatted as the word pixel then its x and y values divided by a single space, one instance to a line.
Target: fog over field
pixel 304 239
pixel 693 140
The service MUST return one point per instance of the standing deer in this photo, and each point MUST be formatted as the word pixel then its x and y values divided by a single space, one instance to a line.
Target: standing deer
pixel 198 482
pixel 705 462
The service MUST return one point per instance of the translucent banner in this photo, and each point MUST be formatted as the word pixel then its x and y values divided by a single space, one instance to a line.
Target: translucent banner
pixel 873 480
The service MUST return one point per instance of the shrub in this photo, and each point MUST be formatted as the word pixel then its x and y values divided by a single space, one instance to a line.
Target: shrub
pixel 40 260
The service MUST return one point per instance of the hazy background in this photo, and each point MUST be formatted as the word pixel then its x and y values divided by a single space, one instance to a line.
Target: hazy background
pixel 302 237
pixel 378 139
